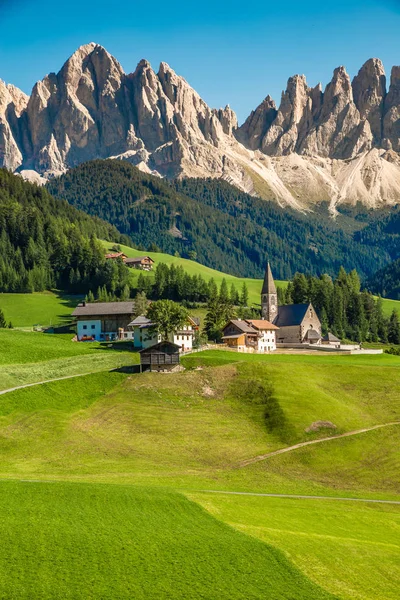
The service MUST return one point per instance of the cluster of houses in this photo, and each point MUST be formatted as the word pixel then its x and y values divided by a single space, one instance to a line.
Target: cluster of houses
pixel 112 321
pixel 144 263
pixel 290 326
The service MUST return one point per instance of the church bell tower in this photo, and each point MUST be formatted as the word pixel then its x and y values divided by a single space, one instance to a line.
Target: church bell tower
pixel 269 299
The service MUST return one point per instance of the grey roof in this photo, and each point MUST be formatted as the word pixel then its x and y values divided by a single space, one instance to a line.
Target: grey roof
pixel 103 308
pixel 291 314
pixel 160 345
pixel 242 326
pixel 136 259
pixel 312 334
pixel 140 320
pixel 269 283
pixel 329 337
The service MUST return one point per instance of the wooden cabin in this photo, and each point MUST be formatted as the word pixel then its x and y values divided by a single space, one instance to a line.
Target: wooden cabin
pixel 144 263
pixel 163 356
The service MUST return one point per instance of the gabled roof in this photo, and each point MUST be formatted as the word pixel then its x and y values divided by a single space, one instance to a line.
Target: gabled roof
pixel 291 314
pixel 312 334
pixel 139 321
pixel 241 325
pixel 269 283
pixel 329 337
pixel 139 259
pixel 92 309
pixel 262 324
pixel 159 346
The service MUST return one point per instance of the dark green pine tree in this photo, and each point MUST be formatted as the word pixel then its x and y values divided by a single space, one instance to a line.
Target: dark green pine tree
pixel 3 322
pixel 244 295
pixel 394 328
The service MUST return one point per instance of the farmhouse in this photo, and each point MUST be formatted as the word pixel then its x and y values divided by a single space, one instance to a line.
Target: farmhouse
pixel 102 321
pixel 144 335
pixel 257 335
pixel 297 323
pixel 144 263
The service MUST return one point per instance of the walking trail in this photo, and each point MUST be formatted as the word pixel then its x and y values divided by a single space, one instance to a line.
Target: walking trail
pixel 301 497
pixel 26 385
pixel 261 457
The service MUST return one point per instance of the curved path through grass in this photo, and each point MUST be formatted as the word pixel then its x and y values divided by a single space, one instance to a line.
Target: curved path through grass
pixel 251 461
pixel 27 385
pixel 299 496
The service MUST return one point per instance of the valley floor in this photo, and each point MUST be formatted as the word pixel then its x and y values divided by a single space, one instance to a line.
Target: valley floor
pixel 108 480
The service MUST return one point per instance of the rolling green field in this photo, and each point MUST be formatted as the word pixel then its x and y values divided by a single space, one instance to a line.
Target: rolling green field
pixel 194 268
pixel 105 479
pixel 27 357
pixel 40 308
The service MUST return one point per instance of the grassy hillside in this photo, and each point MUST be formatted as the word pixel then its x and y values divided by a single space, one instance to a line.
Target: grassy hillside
pixel 195 268
pixel 351 549
pixel 161 440
pixel 102 541
pixel 27 357
pixel 39 308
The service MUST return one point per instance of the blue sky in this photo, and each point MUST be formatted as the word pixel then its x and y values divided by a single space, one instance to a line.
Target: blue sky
pixel 232 52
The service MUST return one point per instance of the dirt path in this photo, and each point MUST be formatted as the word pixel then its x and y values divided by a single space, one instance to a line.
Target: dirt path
pixel 26 385
pixel 261 457
pixel 299 497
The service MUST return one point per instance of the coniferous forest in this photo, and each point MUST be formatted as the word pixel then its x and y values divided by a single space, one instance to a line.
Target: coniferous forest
pixel 225 228
pixel 46 243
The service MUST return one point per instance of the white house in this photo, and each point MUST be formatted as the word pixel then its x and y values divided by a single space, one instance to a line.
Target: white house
pixel 102 321
pixel 253 335
pixel 142 331
pixel 266 341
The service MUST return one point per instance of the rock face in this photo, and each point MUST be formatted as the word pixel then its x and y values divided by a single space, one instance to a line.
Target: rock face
pixel 337 145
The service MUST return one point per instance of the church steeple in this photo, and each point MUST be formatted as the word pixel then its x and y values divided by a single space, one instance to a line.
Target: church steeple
pixel 269 300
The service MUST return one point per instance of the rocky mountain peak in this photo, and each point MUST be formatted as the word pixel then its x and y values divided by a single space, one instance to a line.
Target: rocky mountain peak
pixel 369 91
pixel 338 144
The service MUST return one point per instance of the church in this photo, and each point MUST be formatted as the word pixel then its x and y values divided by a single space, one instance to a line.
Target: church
pixel 298 323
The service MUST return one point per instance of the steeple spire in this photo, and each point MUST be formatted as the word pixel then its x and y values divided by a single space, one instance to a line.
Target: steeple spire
pixel 269 298
pixel 269 283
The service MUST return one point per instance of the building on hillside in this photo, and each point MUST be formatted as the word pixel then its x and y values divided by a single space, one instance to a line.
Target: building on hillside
pixel 115 255
pixel 256 335
pixel 144 335
pixel 102 321
pixel 163 356
pixel 144 263
pixel 297 323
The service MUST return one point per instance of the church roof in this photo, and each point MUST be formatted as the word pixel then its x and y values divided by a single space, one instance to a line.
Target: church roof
pixel 269 283
pixel 291 314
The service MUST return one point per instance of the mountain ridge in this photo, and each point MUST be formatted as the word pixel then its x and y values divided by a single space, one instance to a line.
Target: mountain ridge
pixel 338 145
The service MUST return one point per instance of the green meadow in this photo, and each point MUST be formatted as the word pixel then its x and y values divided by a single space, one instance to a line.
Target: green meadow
pixel 106 478
pixel 27 357
pixel 39 308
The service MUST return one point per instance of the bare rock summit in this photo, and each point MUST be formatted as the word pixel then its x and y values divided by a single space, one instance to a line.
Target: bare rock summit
pixel 338 144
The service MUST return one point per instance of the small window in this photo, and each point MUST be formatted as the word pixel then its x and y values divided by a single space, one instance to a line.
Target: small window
pixel 93 326
pixel 84 327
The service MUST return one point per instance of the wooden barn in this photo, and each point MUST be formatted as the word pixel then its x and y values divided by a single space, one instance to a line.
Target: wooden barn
pixel 163 356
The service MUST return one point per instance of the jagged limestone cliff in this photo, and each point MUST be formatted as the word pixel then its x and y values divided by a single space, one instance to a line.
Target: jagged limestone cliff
pixel 337 145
